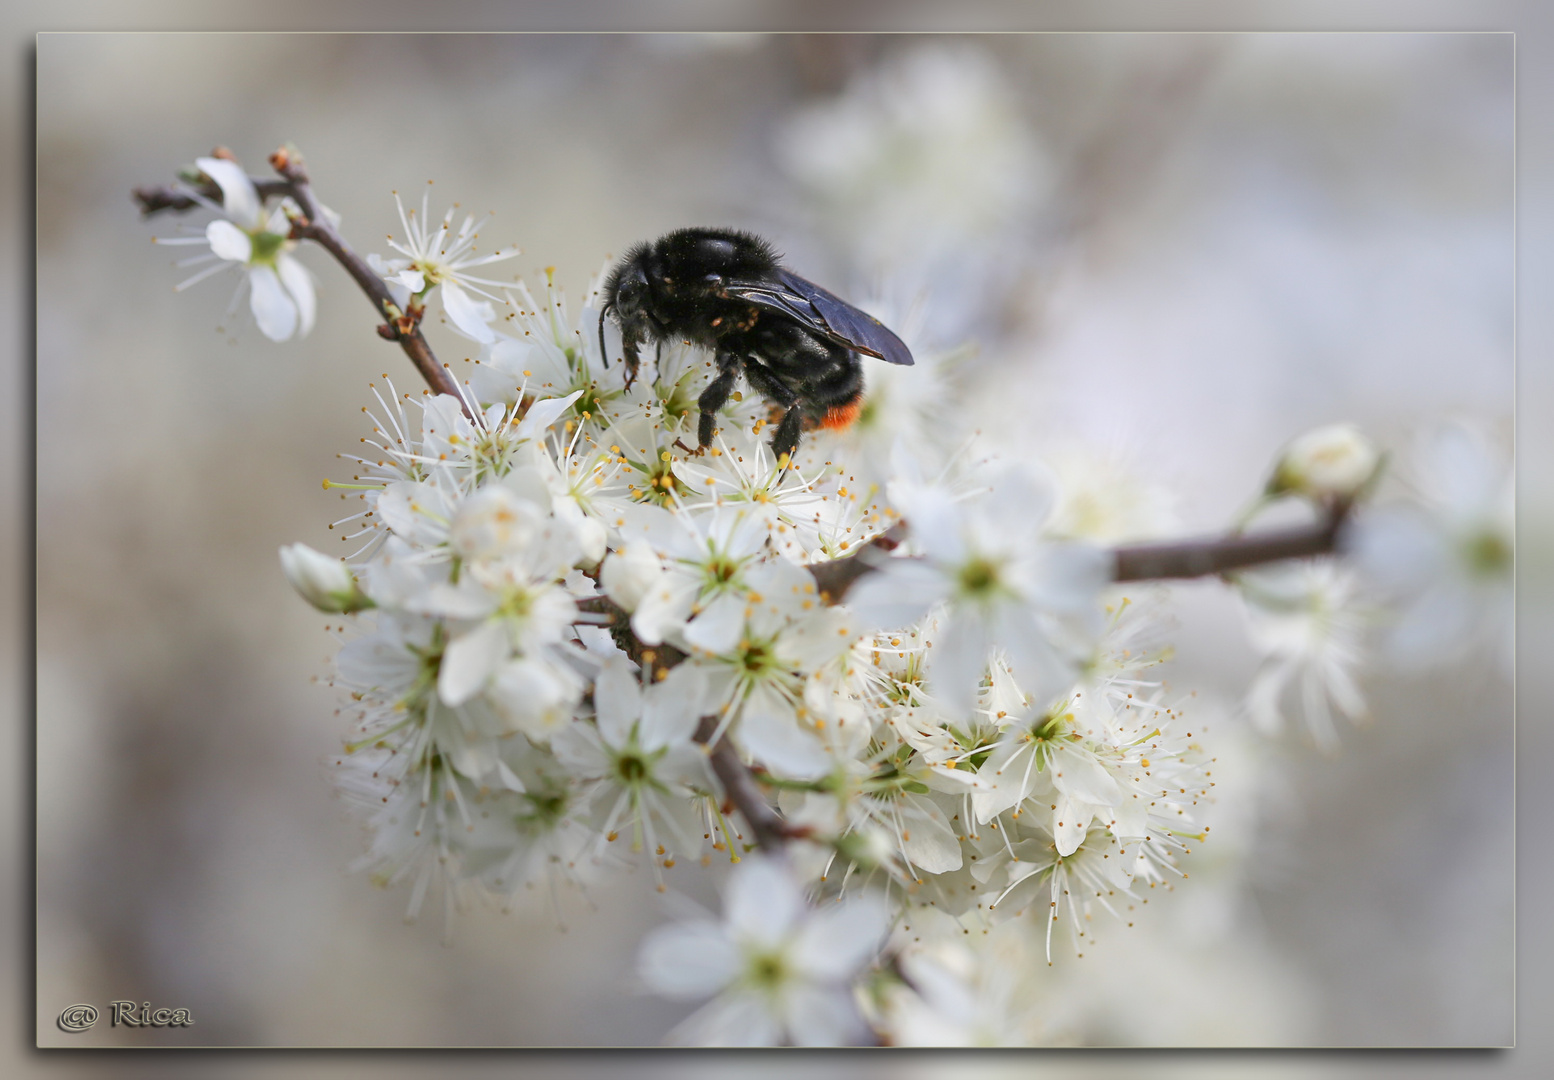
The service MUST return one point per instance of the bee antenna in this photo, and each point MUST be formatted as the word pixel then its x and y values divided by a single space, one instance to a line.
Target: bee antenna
pixel 604 357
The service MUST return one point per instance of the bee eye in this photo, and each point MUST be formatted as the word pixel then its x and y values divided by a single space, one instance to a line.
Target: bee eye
pixel 632 292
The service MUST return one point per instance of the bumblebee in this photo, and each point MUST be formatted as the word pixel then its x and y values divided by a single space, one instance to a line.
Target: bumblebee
pixel 796 344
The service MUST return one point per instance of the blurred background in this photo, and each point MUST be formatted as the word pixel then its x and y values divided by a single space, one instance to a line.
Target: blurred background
pixel 1169 253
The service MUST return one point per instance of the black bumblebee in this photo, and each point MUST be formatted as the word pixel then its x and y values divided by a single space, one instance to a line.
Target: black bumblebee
pixel 797 344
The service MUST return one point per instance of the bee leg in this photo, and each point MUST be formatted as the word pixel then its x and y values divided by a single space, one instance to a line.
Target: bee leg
pixel 629 356
pixel 713 398
pixel 787 438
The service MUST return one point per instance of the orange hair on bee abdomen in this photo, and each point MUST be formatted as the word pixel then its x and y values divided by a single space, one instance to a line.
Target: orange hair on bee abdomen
pixel 839 417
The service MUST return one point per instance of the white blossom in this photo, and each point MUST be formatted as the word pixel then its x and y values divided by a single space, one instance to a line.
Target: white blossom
pixel 441 258
pixel 781 971
pixel 1002 586
pixel 255 241
pixel 1306 621
pixel 1446 561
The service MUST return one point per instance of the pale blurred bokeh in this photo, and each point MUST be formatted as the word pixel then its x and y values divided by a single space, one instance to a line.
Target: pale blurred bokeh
pixel 1238 237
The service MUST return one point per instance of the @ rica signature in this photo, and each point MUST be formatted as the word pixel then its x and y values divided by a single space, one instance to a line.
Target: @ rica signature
pixel 123 1014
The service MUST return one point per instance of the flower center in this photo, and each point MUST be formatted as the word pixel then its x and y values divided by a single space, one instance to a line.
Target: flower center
pixel 545 807
pixel 265 247
pixel 720 570
pixel 767 971
pixel 516 603
pixel 756 657
pixel 631 768
pixel 1487 554
pixel 978 578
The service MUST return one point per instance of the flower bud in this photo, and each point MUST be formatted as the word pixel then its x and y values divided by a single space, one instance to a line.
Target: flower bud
pixel 326 583
pixel 1336 460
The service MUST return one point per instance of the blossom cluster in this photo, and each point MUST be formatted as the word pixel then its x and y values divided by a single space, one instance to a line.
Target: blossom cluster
pixel 561 603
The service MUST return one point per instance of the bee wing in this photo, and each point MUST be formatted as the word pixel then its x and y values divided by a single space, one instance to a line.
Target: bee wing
pixel 826 314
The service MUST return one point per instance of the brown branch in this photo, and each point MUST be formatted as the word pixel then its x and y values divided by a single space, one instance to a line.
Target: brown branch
pixel 401 327
pixel 160 197
pixel 835 576
pixel 1137 562
pixel 1220 555
pixel 771 832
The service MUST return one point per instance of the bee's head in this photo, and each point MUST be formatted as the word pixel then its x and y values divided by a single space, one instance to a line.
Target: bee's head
pixel 626 292
pixel 627 297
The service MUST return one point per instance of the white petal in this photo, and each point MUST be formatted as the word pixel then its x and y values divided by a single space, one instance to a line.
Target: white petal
pixel 239 197
pixel 579 748
pixel 1070 575
pixel 763 901
pixel 274 310
pixel 465 313
pixel 1070 822
pixel 930 843
pixel 770 732
pixel 466 600
pixel 687 961
pixel 718 627
pixel 898 594
pixel 839 938
pixel 936 521
pixel 684 692
pixel 410 280
pixel 299 283
pixel 957 660
pixel 470 661
pixel 664 608
pixel 535 696
pixel 734 1018
pixel 544 413
pixel 617 701
pixel 1006 777
pixel 670 722
pixel 228 241
pixel 824 1017
pixel 630 573
pixel 1080 776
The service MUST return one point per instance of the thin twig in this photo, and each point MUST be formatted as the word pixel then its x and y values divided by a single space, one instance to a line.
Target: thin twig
pixel 771 832
pixel 1222 554
pixel 401 327
pixel 1138 562
pixel 160 197
pixel 835 576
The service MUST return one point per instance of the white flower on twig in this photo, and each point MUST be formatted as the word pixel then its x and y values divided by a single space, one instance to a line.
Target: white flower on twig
pixel 1448 562
pixel 443 257
pixel 255 241
pixel 782 971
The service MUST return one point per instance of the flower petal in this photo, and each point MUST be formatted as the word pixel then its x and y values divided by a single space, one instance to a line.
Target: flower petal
pixel 273 308
pixel 228 241
pixel 239 197
pixel 840 938
pixel 770 732
pixel 469 662
pixel 299 283
pixel 688 960
pixel 763 902
pixel 467 315
pixel 617 700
